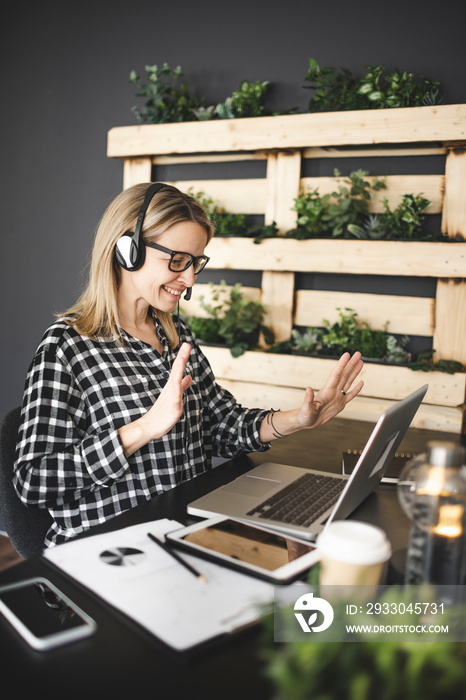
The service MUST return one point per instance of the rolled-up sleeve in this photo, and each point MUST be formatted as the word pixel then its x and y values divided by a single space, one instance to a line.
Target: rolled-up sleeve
pixel 235 429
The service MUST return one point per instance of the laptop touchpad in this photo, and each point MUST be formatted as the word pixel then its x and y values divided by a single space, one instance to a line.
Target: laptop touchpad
pixel 251 486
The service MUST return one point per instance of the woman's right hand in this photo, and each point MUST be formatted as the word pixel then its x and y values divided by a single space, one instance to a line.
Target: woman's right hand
pixel 166 411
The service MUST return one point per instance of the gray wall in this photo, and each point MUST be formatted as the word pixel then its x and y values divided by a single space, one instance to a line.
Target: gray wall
pixel 65 70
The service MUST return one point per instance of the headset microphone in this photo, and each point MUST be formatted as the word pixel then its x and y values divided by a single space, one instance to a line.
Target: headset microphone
pixel 188 294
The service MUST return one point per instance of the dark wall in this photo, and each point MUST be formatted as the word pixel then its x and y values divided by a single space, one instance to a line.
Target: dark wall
pixel 65 69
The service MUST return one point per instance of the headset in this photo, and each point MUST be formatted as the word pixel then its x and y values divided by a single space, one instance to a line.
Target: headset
pixel 130 250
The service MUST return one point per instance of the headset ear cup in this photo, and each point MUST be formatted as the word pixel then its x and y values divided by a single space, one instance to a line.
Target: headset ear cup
pixel 130 256
pixel 130 250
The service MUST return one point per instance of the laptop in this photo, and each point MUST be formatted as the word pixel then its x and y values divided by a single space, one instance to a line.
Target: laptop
pixel 301 502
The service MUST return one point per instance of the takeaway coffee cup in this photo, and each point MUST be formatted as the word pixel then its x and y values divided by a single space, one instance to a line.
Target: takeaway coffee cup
pixel 353 554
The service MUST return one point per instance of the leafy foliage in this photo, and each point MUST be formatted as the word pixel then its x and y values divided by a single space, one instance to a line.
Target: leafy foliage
pixel 337 90
pixel 348 334
pixel 425 363
pixel 166 101
pixel 308 342
pixel 344 213
pixel 334 213
pixel 227 224
pixel 247 101
pixel 366 669
pixel 396 353
pixel 206 329
pixel 236 321
pixel 405 222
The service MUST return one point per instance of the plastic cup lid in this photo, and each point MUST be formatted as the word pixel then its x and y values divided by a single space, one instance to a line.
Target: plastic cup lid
pixel 354 542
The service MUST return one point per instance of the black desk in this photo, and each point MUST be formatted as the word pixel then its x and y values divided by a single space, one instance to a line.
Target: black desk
pixel 122 660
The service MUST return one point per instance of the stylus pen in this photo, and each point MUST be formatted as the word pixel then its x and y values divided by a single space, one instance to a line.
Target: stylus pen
pixel 179 559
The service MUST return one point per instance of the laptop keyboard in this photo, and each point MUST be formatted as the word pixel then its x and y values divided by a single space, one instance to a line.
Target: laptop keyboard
pixel 303 501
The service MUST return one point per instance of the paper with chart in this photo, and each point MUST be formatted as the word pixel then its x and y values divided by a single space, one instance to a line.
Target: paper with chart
pixel 137 577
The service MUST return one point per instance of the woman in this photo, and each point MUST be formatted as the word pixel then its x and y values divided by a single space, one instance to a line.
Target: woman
pixel 120 403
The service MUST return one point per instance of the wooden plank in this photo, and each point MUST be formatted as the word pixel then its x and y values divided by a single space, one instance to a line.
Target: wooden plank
pixel 266 396
pixel 454 212
pixel 283 182
pixel 136 170
pixel 404 125
pixel 450 320
pixel 184 159
pixel 380 311
pixel 277 297
pixel 297 372
pixel 246 196
pixel 430 186
pixel 372 152
pixel 341 256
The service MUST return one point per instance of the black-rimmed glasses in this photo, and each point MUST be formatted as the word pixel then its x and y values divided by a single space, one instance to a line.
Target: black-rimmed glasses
pixel 181 261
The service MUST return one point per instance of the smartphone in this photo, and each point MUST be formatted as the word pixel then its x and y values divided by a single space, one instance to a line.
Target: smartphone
pixel 248 548
pixel 43 615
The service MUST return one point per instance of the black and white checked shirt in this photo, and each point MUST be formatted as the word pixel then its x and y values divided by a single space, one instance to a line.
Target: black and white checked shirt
pixel 79 391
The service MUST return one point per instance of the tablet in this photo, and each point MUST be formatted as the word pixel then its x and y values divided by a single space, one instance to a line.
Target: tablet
pixel 248 548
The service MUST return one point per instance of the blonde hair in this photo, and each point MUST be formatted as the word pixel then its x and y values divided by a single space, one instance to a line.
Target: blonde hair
pixel 95 314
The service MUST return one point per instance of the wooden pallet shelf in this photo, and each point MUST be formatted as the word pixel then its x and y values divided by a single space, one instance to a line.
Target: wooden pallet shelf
pixel 284 143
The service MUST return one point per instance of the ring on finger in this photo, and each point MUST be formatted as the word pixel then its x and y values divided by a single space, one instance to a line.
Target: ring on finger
pixel 343 392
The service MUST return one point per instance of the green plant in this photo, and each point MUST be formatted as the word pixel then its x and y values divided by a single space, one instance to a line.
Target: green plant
pixel 237 320
pixel 165 100
pixel 307 342
pixel 227 224
pixel 343 335
pixel 424 362
pixel 364 669
pixel 206 329
pixel 311 207
pixel 334 213
pixel 348 334
pixel 373 227
pixel 397 89
pixel 407 219
pixel 396 353
pixel 349 204
pixel 333 91
pixel 403 223
pixel 247 101
pixel 341 90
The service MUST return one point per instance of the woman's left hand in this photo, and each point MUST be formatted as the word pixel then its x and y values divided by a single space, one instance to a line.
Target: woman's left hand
pixel 319 408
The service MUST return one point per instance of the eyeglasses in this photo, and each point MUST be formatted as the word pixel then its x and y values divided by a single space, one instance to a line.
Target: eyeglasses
pixel 181 261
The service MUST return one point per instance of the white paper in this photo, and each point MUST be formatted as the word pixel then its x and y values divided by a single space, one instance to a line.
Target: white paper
pixel 156 591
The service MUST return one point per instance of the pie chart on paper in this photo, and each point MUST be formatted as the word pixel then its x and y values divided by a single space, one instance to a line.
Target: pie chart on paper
pixel 123 556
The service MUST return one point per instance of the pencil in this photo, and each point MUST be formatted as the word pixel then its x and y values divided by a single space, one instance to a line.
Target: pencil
pixel 179 559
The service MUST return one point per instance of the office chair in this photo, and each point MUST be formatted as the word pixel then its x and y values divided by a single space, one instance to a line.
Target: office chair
pixel 26 527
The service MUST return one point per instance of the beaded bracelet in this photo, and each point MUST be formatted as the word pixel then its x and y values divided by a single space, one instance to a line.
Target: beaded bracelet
pixel 270 422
